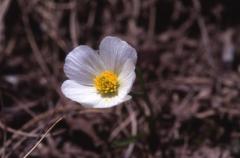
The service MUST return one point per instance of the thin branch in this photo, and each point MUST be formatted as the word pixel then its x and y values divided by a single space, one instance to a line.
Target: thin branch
pixel 40 140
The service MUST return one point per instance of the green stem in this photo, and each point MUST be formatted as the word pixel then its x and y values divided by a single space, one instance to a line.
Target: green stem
pixel 152 138
pixel 144 91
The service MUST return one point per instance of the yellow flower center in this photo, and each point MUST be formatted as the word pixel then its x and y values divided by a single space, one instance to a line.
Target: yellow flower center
pixel 106 83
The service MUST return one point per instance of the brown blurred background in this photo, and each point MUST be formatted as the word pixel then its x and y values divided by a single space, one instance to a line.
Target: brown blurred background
pixel 189 56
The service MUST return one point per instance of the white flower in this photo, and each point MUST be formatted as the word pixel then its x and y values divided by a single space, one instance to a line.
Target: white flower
pixel 103 78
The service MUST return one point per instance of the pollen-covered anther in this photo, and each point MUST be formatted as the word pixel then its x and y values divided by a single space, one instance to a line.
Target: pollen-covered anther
pixel 106 83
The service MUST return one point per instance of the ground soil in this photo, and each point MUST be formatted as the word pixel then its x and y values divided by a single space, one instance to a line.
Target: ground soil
pixel 188 58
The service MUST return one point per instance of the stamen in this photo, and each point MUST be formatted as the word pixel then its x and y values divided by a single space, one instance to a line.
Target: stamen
pixel 107 83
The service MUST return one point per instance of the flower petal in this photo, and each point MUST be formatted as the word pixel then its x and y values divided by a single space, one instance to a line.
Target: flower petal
pixel 114 52
pixel 111 102
pixel 82 64
pixel 127 98
pixel 85 95
pixel 126 78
